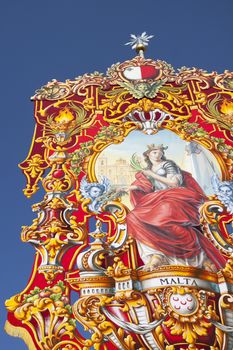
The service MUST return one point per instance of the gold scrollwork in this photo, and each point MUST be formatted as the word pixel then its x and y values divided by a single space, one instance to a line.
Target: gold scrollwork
pixel 188 312
pixel 201 76
pixel 52 236
pixel 219 109
pixel 145 105
pixel 211 212
pixel 118 269
pixel 46 312
pixel 170 99
pixel 67 345
pixel 103 103
pixel 34 165
pixel 59 179
pixel 33 170
pixel 87 312
pixel 52 91
pixel 228 269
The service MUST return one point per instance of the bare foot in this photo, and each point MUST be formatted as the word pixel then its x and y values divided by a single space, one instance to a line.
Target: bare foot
pixel 155 261
pixel 209 266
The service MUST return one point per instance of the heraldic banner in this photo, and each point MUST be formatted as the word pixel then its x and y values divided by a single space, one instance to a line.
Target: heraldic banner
pixel 134 236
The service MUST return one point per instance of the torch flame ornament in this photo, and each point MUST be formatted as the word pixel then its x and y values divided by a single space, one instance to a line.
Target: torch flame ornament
pixel 227 107
pixel 139 42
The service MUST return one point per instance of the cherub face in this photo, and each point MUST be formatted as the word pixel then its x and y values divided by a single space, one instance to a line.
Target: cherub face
pixel 141 87
pixel 95 192
pixel 226 191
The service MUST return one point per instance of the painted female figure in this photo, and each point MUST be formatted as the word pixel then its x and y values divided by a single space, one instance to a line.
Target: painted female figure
pixel 165 218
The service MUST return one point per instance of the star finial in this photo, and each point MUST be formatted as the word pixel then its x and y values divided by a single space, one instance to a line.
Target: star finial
pixel 139 42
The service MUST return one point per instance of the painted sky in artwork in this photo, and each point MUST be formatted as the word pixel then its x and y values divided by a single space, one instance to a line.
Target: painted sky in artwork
pixel 42 40
pixel 202 165
pixel 137 142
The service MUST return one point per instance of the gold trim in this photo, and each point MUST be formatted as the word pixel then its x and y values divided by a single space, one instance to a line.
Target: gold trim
pixel 175 126
pixel 86 282
pixel 68 344
pixel 95 285
pixel 21 333
pixel 181 271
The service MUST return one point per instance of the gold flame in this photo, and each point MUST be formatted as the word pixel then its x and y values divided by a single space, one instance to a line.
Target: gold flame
pixel 227 107
pixel 64 116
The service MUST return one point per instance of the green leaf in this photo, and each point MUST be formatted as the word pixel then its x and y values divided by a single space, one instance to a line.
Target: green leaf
pixel 61 284
pixel 77 170
pixel 75 157
pixel 69 308
pixel 36 290
pixel 220 140
pixel 212 105
pixel 56 296
pixel 72 322
pixel 135 163
pixel 32 298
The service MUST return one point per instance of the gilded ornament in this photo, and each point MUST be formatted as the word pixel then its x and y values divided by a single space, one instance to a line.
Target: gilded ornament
pixel 55 304
pixel 52 91
pixel 145 105
pixel 225 80
pixel 211 211
pixel 188 312
pixel 143 89
pixel 88 311
pixel 221 111
pixel 118 269
pixel 34 165
pixel 228 269
pixel 67 123
pixel 196 74
pixel 118 301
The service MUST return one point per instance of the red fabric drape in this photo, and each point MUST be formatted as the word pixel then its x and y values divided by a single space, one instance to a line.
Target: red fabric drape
pixel 167 220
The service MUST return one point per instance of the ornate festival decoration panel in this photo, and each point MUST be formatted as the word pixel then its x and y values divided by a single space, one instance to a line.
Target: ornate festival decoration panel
pixel 133 237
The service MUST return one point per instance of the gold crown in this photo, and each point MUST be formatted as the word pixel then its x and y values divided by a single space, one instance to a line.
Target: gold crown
pixel 155 147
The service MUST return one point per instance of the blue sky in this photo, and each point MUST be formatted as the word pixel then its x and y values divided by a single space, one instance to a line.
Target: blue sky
pixel 41 40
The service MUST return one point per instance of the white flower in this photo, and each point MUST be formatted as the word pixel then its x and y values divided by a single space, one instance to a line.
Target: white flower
pixel 137 40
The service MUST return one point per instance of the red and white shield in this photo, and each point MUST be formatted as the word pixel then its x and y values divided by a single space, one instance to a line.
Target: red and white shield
pixel 140 72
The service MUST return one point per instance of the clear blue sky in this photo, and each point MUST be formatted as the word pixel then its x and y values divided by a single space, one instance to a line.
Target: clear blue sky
pixel 41 40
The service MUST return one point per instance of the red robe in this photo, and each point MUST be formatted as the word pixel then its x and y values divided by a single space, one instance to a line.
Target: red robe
pixel 167 220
